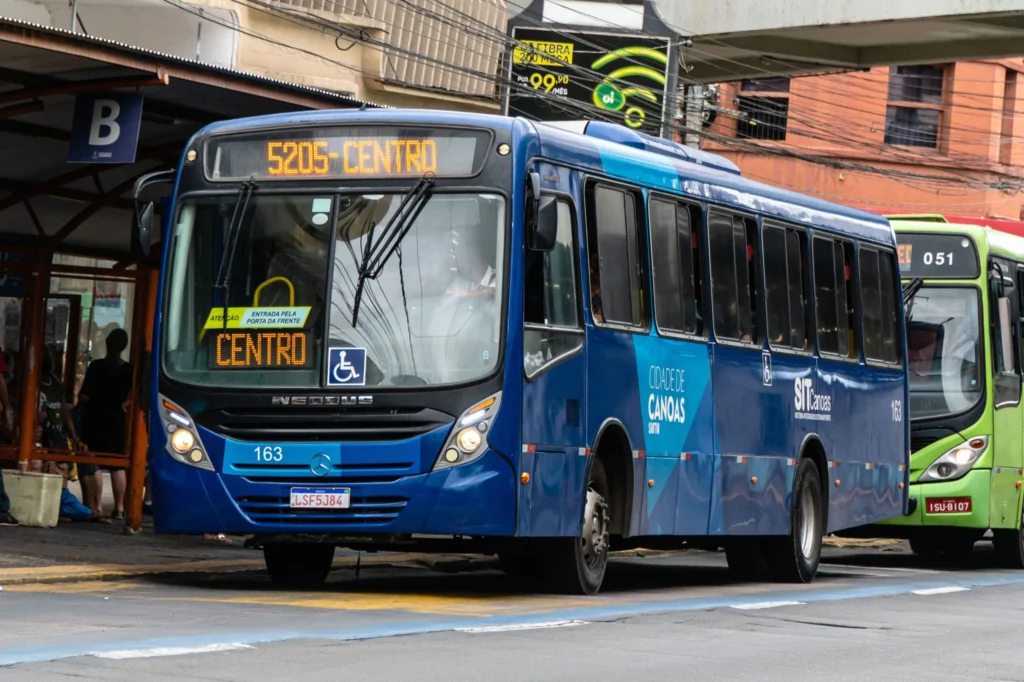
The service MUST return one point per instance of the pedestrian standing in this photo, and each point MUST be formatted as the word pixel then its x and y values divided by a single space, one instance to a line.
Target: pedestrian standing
pixel 103 399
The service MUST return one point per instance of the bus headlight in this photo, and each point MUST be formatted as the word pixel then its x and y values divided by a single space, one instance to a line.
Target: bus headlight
pixel 956 462
pixel 183 442
pixel 468 439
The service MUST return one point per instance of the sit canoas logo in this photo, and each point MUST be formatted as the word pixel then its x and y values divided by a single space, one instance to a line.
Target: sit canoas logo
pixel 613 94
pixel 810 404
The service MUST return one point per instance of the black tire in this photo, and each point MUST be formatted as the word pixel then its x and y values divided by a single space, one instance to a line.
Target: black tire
pixel 1008 545
pixel 521 566
pixel 577 565
pixel 746 559
pixel 298 565
pixel 927 547
pixel 795 557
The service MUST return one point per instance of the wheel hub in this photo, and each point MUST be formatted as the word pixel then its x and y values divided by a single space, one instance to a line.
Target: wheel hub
pixel 808 525
pixel 595 528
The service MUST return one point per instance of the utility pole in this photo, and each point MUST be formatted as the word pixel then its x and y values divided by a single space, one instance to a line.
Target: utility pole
pixel 693 119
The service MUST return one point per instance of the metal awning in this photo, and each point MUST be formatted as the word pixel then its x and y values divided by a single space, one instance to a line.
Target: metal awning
pixel 46 202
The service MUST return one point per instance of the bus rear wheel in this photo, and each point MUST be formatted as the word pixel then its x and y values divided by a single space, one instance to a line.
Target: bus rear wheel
pixel 577 565
pixel 298 565
pixel 796 556
pixel 1008 544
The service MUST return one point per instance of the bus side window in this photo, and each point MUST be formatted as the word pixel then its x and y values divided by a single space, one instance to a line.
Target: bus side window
pixel 676 261
pixel 834 296
pixel 551 311
pixel 614 244
pixel 785 287
pixel 733 277
pixel 878 306
pixel 1020 307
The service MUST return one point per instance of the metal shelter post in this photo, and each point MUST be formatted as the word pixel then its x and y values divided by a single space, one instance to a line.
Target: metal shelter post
pixel 142 344
pixel 31 363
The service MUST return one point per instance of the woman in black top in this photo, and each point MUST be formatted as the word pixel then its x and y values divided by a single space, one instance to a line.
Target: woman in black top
pixel 103 399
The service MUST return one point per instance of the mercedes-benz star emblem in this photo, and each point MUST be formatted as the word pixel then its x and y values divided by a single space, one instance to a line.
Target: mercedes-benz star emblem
pixel 320 465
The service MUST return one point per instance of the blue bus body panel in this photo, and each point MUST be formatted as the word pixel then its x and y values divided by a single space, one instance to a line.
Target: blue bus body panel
pixel 714 429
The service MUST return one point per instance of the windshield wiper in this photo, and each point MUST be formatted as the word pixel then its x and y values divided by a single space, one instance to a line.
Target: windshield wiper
pixel 223 281
pixel 910 290
pixel 375 256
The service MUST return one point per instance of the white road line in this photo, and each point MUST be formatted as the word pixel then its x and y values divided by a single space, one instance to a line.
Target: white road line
pixel 765 605
pixel 887 569
pixel 940 590
pixel 525 626
pixel 168 651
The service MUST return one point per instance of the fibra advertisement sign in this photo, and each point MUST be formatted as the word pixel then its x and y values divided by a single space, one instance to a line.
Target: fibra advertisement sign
pixel 105 129
pixel 563 74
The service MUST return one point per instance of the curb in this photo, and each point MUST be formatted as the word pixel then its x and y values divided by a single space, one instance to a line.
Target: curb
pixel 443 563
pixel 83 572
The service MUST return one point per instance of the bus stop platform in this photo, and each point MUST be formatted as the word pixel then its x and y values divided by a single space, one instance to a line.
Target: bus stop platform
pixel 82 551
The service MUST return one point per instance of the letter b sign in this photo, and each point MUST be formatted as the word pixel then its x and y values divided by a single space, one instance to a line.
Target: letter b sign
pixel 105 128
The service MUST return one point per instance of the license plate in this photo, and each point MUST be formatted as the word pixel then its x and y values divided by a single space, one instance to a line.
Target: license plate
pixel 948 505
pixel 321 498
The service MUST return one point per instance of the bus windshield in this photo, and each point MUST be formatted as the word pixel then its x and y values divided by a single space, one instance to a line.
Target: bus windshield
pixel 944 351
pixel 430 315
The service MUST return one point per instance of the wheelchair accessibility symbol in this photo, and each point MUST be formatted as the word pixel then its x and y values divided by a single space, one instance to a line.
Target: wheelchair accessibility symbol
pixel 766 369
pixel 346 367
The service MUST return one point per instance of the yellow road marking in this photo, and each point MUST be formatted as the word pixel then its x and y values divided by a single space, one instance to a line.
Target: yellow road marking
pixel 463 605
pixel 75 572
pixel 86 587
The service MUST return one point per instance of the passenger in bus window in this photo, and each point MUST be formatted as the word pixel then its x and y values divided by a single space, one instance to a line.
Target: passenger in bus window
pixel 595 290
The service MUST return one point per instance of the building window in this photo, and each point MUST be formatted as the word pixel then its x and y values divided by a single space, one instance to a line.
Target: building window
pixel 913 116
pixel 763 106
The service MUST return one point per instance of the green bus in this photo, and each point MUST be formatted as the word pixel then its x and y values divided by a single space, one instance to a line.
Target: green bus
pixel 963 290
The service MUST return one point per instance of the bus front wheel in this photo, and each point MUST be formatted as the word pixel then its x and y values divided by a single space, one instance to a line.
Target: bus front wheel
pixel 577 565
pixel 298 565
pixel 797 555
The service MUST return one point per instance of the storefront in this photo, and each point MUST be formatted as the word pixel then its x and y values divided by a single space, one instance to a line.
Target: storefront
pixel 67 274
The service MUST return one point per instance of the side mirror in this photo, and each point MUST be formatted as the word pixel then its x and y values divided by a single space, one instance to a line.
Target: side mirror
pixel 544 230
pixel 1006 335
pixel 143 231
pixel 142 234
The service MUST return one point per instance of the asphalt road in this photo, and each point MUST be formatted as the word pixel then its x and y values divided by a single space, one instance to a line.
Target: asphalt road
pixel 870 615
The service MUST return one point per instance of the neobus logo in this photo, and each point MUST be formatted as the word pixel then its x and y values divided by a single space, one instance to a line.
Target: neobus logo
pixel 808 404
pixel 321 400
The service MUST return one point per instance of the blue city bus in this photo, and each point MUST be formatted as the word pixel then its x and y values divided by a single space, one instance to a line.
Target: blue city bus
pixel 390 329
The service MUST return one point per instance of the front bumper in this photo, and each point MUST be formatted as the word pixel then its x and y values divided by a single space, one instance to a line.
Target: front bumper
pixel 476 499
pixel 975 485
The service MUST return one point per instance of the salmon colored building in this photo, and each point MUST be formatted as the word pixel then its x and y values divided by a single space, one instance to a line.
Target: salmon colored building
pixel 943 138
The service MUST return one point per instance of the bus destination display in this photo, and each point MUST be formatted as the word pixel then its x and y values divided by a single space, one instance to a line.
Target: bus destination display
pixel 349 153
pixel 936 256
pixel 260 350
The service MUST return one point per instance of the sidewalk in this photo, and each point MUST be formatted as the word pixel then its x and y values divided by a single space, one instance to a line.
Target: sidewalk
pixel 89 551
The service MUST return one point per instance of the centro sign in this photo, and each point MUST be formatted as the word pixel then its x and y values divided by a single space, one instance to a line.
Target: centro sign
pixel 105 129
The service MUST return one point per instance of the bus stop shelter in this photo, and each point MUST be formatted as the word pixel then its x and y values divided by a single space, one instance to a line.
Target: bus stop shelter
pixel 69 106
